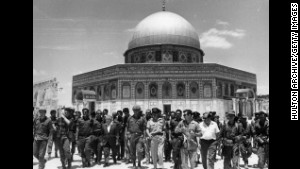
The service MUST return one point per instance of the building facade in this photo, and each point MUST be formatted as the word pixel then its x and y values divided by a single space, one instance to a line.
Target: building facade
pixel 45 94
pixel 163 68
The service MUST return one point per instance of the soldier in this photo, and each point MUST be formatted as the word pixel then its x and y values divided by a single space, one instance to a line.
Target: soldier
pixel 219 145
pixel 120 119
pixel 208 140
pixel 72 132
pixel 127 136
pixel 110 132
pixel 176 140
pixel 52 137
pixel 245 142
pixel 253 121
pixel 167 145
pixel 190 130
pixel 229 134
pixel 62 137
pixel 261 136
pixel 135 128
pixel 155 130
pixel 42 127
pixel 147 140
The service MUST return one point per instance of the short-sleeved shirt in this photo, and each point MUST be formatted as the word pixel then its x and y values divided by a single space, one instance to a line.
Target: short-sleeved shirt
pixel 155 127
pixel 136 125
pixel 209 132
pixel 192 126
pixel 42 128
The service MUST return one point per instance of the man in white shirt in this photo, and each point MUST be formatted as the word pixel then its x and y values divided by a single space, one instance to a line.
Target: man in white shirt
pixel 208 140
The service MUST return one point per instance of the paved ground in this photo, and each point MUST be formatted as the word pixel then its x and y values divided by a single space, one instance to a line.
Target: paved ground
pixel 55 163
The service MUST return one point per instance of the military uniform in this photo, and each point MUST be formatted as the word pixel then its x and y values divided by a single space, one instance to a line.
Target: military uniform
pixel 122 137
pixel 230 149
pixel 41 128
pixel 52 139
pixel 261 137
pixel 245 141
pixel 127 140
pixel 189 150
pixel 136 127
pixel 176 143
pixel 157 142
pixel 63 142
pixel 86 141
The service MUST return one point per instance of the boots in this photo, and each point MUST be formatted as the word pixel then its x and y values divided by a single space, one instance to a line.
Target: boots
pixel 63 164
pixel 69 164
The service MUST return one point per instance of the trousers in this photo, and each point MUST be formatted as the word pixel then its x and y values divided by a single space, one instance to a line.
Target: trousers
pixel 263 155
pixel 52 139
pixel 147 144
pixel 231 153
pixel 176 146
pixel 188 155
pixel 157 145
pixel 136 147
pixel 208 151
pixel 64 149
pixel 39 150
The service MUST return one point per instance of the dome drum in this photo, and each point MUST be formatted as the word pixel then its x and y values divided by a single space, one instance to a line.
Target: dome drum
pixel 164 54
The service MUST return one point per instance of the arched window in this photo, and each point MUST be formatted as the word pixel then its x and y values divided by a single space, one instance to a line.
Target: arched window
pixel 99 93
pixel 126 90
pixel 219 90
pixel 180 90
pixel 226 90
pixel 113 91
pixel 36 96
pixel 106 92
pixel 153 91
pixel 194 90
pixel 139 91
pixel 167 90
pixel 207 90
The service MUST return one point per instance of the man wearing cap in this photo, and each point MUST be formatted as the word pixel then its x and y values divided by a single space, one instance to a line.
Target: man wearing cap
pixel 52 136
pixel 190 130
pixel 135 128
pixel 261 136
pixel 229 134
pixel 42 127
pixel 110 132
pixel 155 130
pixel 176 140
pixel 147 140
pixel 208 140
pixel 245 139
pixel 63 137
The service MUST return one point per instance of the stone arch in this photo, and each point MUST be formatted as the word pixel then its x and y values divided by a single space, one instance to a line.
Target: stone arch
pixel 207 90
pixel 106 92
pixel 139 91
pixel 126 90
pixel 194 90
pixel 226 90
pixel 167 90
pixel 113 93
pixel 180 90
pixel 153 90
pixel 99 93
pixel 219 90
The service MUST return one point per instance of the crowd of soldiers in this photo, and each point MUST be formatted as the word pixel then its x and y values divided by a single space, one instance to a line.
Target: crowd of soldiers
pixel 185 136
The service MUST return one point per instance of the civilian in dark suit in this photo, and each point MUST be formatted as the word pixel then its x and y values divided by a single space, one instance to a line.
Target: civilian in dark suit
pixel 110 132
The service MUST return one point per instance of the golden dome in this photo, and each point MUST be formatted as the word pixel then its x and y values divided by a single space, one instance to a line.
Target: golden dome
pixel 164 28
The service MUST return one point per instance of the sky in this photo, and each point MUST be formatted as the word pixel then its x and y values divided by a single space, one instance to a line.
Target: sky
pixel 76 36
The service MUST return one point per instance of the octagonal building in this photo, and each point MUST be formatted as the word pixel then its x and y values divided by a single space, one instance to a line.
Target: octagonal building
pixel 163 68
